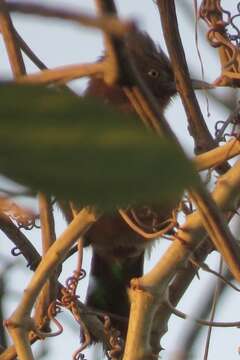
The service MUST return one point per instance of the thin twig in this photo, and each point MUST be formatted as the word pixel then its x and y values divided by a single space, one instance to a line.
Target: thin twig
pixel 34 58
pixel 106 23
pixel 213 310
pixel 205 267
pixel 234 114
pixel 184 316
pixel 193 330
pixel 30 54
pixel 199 54
pixel 141 232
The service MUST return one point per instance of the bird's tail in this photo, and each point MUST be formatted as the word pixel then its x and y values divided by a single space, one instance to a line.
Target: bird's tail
pixel 109 281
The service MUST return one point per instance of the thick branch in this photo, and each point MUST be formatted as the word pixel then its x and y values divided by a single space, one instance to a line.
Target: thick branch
pixel 112 45
pixel 187 239
pixel 197 126
pixel 215 157
pixel 63 74
pixel 11 42
pixel 176 290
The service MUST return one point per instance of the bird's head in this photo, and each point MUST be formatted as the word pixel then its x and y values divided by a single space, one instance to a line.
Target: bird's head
pixel 153 65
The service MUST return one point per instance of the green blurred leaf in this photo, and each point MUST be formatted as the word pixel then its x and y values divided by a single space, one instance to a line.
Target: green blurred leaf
pixel 82 150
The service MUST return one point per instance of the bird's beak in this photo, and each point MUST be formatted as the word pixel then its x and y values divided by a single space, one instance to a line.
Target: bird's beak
pixel 201 85
pixel 196 84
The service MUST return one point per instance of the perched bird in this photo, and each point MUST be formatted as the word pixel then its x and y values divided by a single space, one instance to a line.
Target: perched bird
pixel 118 251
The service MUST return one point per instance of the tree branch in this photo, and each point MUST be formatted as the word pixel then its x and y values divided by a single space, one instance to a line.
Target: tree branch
pixel 197 126
pixel 106 23
pixel 214 157
pixel 11 42
pixel 48 293
pixel 63 74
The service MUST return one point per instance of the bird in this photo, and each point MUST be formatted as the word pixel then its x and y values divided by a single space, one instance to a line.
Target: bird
pixel 117 250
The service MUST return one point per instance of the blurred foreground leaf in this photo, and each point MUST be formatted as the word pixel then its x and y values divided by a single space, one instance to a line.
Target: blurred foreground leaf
pixel 79 149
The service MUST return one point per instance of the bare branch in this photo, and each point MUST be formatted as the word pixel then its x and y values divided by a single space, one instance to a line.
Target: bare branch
pixel 106 23
pixel 197 126
pixel 20 240
pixel 49 291
pixel 184 316
pixel 217 156
pixel 30 54
pixel 11 42
pixel 63 74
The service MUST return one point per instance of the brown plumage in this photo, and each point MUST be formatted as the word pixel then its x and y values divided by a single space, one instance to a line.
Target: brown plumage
pixel 118 252
pixel 154 66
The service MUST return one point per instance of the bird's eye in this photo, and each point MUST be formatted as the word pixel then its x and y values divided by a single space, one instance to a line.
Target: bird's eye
pixel 153 73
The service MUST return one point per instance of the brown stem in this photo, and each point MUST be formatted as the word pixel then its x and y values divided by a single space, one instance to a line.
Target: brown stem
pixel 63 74
pixel 197 126
pixel 112 44
pixel 20 240
pixel 49 291
pixel 106 23
pixel 30 54
pixel 11 42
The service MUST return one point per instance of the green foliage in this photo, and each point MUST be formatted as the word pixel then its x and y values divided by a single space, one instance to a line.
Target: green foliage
pixel 82 150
